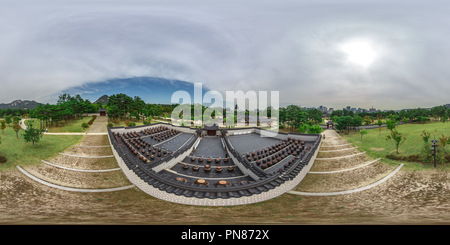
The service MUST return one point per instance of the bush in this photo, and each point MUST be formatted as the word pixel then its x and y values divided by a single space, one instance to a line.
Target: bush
pixel 84 125
pixel 3 159
pixel 127 122
pixel 409 158
pixel 147 122
pixel 110 125
pixel 131 124
pixel 315 129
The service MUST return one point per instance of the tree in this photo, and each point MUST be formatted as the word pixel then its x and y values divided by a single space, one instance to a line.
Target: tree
pixel 17 128
pixel 8 119
pixel 3 125
pixel 367 120
pixel 379 123
pixel 390 124
pixel 396 139
pixel 363 132
pixel 32 134
pixel 425 136
pixel 405 120
pixel 356 121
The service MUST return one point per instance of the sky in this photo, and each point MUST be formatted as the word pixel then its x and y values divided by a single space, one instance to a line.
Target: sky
pixel 385 54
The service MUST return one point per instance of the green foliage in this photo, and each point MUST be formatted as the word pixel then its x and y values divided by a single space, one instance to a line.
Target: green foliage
pixel 8 119
pixel 363 132
pixel 84 126
pixel 110 125
pixel 147 122
pixel 425 153
pixel 16 128
pixel 32 134
pixel 396 138
pixel 314 129
pixel 131 124
pixel 443 142
pixel 303 128
pixel 367 120
pixel 3 125
pixel 391 124
pixel 425 136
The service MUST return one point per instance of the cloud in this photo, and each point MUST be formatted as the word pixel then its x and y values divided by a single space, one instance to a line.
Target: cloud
pixel 292 47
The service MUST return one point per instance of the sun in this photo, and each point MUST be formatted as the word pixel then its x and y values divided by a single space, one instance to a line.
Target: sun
pixel 360 53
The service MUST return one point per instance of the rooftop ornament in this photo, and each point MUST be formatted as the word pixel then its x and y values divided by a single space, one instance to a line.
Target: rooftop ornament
pixel 181 179
pixel 201 182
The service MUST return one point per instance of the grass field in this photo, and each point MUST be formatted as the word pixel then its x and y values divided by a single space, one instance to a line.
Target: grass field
pixel 138 123
pixel 377 146
pixel 20 153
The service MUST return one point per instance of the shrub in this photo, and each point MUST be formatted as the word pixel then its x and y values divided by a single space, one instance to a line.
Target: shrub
pixel 315 129
pixel 131 124
pixel 85 125
pixel 3 159
pixel 110 125
pixel 147 122
pixel 127 122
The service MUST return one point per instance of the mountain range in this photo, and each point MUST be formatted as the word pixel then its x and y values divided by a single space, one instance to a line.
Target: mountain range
pixel 20 104
pixel 104 99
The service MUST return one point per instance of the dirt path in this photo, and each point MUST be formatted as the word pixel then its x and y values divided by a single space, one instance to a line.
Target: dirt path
pixel 99 125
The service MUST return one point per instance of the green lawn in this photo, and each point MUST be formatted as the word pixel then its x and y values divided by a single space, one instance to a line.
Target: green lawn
pixel 71 126
pixel 379 147
pixel 138 123
pixel 20 153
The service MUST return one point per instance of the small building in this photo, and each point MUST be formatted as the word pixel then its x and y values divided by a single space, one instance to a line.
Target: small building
pixel 102 112
pixel 330 124
pixel 211 129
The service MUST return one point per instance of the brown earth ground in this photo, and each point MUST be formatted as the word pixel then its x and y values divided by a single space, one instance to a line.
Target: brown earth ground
pixel 406 198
